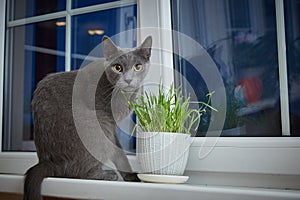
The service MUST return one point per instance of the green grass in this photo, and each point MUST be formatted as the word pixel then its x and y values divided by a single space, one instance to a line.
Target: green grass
pixel 167 112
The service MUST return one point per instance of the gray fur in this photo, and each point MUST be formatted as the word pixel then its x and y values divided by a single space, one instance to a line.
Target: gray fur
pixel 60 149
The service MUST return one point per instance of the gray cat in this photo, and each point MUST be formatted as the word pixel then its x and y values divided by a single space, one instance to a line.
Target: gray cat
pixel 64 143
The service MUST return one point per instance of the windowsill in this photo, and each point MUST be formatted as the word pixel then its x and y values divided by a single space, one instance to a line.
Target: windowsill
pixel 236 168
pixel 274 162
pixel 94 189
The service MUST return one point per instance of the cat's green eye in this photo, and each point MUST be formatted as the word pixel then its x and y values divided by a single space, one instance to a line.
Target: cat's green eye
pixel 138 67
pixel 118 68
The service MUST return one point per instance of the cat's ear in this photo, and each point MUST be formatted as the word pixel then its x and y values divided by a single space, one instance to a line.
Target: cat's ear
pixel 144 49
pixel 109 48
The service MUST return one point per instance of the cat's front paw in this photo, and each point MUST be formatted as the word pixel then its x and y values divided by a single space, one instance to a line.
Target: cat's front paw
pixel 132 177
pixel 110 175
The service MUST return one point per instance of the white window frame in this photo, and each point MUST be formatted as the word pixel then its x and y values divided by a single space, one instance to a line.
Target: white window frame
pixel 253 162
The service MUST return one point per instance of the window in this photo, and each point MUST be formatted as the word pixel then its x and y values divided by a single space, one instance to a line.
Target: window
pixel 292 21
pixel 235 161
pixel 19 9
pixel 42 53
pixel 47 36
pixel 242 41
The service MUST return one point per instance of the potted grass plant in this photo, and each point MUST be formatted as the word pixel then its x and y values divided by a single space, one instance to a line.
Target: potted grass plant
pixel 163 129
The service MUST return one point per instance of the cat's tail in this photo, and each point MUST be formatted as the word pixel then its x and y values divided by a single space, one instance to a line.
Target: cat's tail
pixel 34 178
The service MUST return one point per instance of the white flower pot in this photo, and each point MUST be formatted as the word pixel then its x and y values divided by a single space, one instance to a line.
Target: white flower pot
pixel 163 153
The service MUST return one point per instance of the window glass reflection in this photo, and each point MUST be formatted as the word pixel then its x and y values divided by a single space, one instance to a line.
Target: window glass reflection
pixel 81 3
pixel 35 50
pixel 88 30
pixel 292 21
pixel 240 36
pixel 28 8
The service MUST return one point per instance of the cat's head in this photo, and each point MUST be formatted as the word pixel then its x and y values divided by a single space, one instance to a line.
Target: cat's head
pixel 126 68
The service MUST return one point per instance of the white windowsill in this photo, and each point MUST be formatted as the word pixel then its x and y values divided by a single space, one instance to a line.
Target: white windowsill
pixel 262 155
pixel 274 162
pixel 93 189
pixel 236 168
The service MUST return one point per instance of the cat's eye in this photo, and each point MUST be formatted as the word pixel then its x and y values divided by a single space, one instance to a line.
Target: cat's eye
pixel 118 68
pixel 138 67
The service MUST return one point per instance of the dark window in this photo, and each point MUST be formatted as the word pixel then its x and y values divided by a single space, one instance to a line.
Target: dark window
pixel 240 37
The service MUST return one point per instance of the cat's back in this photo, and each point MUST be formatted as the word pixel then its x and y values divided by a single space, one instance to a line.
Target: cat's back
pixel 54 130
pixel 56 87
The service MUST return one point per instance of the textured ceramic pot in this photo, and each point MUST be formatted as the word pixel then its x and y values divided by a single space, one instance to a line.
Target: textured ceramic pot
pixel 163 153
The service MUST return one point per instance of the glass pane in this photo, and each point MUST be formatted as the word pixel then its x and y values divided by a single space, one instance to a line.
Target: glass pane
pixel 34 51
pixel 28 8
pixel 292 21
pixel 81 3
pixel 240 37
pixel 88 30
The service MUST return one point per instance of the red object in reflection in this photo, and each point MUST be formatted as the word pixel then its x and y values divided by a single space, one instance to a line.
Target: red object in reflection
pixel 252 89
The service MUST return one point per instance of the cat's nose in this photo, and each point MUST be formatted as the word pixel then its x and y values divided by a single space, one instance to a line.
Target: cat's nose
pixel 128 81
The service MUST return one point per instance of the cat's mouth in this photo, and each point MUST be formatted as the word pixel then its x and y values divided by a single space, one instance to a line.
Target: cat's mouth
pixel 128 89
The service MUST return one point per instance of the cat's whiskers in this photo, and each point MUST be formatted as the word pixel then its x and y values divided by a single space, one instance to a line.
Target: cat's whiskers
pixel 108 94
pixel 107 91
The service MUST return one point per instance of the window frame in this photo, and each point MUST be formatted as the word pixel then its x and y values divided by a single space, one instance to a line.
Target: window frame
pixel 2 54
pixel 270 157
